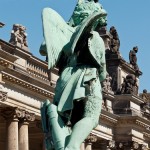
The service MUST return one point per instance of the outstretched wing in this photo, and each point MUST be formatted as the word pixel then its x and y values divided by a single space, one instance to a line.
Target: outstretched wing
pixel 57 34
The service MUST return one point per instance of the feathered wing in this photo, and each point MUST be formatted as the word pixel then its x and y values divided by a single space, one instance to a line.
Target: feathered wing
pixel 57 34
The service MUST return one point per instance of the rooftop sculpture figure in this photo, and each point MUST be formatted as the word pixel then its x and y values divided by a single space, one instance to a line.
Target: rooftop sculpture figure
pixel 129 85
pixel 79 53
pixel 133 60
pixel 19 36
pixel 115 42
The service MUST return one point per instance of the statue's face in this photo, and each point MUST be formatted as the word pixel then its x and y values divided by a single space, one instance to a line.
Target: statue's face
pixel 84 10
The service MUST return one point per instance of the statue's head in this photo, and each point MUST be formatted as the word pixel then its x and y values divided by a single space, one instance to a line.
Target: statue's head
pixel 135 49
pixel 144 91
pixel 85 9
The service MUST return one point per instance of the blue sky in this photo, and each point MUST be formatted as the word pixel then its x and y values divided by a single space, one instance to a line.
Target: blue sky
pixel 130 17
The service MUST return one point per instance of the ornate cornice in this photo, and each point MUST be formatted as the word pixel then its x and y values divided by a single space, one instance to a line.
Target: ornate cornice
pixel 109 119
pixel 27 85
pixel 5 63
pixel 142 124
pixel 146 134
pixel 136 120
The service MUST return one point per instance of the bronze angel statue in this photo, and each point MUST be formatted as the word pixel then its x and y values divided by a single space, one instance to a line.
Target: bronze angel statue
pixel 78 51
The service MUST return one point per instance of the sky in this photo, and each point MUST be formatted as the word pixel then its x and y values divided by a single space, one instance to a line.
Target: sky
pixel 130 17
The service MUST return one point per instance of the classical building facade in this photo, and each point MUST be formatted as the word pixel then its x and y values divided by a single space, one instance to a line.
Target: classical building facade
pixel 124 122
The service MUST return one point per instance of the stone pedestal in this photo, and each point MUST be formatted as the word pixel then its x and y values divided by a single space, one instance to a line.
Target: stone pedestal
pixel 12 134
pixel 23 136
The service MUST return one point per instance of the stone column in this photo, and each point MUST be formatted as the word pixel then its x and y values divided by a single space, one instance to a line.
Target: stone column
pixel 23 136
pixel 23 129
pixel 12 134
pixel 11 117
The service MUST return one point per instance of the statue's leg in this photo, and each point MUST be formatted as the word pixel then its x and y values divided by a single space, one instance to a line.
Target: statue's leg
pixel 56 127
pixel 89 121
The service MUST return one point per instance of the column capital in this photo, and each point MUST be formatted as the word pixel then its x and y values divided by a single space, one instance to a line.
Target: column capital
pixel 17 113
pixel 130 144
pixel 111 145
pixel 91 139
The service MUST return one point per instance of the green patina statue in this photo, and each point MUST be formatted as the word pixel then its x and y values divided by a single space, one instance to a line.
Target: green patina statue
pixel 79 53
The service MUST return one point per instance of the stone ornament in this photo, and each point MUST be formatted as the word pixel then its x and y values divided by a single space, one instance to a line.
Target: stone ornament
pixel 106 84
pixel 91 138
pixel 3 96
pixel 146 105
pixel 135 145
pixel 111 145
pixel 144 147
pixel 19 36
pixel 16 113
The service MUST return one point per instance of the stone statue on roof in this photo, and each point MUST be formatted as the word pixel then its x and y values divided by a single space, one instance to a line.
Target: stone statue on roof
pixel 114 42
pixel 19 36
pixel 78 51
pixel 129 85
pixel 133 60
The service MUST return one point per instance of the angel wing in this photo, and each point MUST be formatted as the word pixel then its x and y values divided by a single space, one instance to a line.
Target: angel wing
pixel 57 34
